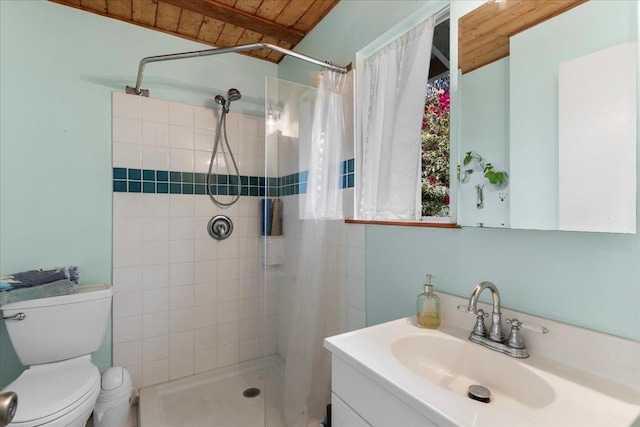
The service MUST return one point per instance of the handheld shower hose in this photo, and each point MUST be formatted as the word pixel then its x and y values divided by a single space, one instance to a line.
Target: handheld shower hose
pixel 232 95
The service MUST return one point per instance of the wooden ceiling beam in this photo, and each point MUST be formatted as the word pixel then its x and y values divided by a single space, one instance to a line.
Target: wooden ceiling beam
pixel 239 18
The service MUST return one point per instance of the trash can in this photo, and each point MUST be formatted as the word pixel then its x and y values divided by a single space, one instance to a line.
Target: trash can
pixel 113 404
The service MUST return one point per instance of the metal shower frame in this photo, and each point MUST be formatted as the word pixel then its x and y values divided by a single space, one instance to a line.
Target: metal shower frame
pixel 217 51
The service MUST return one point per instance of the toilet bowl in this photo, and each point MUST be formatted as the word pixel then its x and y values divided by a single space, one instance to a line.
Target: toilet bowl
pixel 56 338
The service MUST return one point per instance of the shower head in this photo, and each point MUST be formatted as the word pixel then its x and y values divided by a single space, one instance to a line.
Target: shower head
pixel 233 94
pixel 220 99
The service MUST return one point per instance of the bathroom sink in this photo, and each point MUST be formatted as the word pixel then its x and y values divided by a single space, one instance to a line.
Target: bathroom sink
pixel 425 374
pixel 454 365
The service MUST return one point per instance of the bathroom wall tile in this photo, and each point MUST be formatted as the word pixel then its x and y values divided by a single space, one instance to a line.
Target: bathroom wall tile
pixel 181 366
pixel 232 122
pixel 181 137
pixel 127 353
pixel 181 205
pixel 248 308
pixel 127 230
pixel 125 105
pixel 204 118
pixel 181 343
pixel 355 263
pixel 269 345
pixel 204 207
pixel 248 350
pixel 127 279
pixel 155 205
pixel 154 133
pixel 228 290
pixel 205 249
pixel 181 251
pixel 206 337
pixel 201 161
pixel 155 253
pixel 155 110
pixel 248 227
pixel 249 329
pixel 180 160
pixel 228 312
pixel 227 333
pixel 228 355
pixel 249 288
pixel 155 276
pixel 127 304
pixel 181 320
pixel 181 274
pixel 127 205
pixel 228 269
pixel 180 114
pixel 127 130
pixel 249 247
pixel 127 155
pixel 249 267
pixel 206 271
pixel 155 324
pixel 180 297
pixel 205 293
pixel 205 315
pixel 228 248
pixel 156 158
pixel 200 229
pixel 155 300
pixel 181 228
pixel 269 304
pixel 155 372
pixel 356 319
pixel 356 293
pixel 127 254
pixel 204 139
pixel 251 125
pixel 271 325
pixel 206 360
pixel 248 207
pixel 127 329
pixel 155 348
pixel 355 235
pixel 154 229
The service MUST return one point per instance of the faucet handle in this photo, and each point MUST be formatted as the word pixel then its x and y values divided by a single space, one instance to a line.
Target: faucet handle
pixel 515 323
pixel 479 328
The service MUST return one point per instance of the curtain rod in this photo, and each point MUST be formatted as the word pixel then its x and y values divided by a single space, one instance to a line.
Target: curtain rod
pixel 217 51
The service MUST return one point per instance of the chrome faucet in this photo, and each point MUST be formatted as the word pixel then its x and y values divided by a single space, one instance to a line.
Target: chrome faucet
pixel 494 338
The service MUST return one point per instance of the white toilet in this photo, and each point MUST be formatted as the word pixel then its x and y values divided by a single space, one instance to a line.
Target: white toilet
pixel 56 338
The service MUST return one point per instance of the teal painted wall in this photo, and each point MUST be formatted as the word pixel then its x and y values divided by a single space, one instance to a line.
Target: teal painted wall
pixel 58 67
pixel 587 279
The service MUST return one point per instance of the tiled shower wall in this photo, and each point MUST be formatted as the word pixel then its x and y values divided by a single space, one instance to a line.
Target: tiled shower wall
pixel 183 303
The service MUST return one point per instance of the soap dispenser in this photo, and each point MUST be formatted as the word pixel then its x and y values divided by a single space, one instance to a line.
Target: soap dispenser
pixel 428 307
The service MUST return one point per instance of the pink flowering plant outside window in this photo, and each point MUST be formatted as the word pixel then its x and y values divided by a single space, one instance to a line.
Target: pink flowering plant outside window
pixel 435 150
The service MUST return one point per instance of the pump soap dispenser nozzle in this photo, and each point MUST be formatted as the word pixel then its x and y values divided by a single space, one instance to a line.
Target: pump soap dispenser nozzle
pixel 428 307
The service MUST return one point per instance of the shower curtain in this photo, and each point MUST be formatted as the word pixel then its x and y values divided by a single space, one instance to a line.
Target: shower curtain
pixel 316 311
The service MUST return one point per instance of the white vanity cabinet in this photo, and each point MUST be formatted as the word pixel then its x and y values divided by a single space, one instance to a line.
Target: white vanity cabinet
pixel 357 400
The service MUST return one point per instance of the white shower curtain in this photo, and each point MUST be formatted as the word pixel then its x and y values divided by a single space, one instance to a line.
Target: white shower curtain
pixel 390 100
pixel 316 312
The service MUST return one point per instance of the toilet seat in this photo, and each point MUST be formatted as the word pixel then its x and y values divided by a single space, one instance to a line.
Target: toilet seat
pixel 49 392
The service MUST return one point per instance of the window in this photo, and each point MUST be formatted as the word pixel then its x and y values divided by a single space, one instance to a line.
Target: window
pixel 435 129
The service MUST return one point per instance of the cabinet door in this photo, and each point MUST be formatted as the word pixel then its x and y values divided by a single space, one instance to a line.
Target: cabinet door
pixel 343 416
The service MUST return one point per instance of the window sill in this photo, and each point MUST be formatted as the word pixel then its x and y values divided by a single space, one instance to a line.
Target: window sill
pixel 403 223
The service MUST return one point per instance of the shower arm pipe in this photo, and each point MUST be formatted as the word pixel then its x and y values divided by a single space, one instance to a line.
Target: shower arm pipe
pixel 219 51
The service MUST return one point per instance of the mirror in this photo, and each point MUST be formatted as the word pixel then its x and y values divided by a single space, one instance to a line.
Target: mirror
pixel 548 112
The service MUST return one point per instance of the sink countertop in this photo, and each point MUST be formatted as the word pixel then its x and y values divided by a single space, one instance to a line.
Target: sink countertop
pixel 578 397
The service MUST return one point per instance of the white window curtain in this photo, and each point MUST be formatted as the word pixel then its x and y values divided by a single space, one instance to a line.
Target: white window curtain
pixel 390 100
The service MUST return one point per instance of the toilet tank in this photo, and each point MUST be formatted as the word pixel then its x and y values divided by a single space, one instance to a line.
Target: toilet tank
pixel 59 328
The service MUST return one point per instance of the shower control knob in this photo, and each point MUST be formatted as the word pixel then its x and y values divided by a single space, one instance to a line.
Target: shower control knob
pixel 220 227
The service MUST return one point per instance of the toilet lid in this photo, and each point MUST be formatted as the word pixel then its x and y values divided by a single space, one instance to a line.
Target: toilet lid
pixel 45 390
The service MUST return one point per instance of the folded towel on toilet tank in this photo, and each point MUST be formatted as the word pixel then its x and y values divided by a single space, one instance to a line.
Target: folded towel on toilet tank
pixel 27 279
pixel 52 289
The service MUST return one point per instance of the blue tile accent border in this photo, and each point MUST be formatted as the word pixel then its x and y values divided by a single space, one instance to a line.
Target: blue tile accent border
pixel 175 182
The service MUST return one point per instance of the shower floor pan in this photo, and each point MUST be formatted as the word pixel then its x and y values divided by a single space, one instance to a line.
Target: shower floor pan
pixel 215 399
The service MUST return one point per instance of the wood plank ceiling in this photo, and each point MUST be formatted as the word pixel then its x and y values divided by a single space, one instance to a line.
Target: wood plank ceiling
pixel 483 34
pixel 219 23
